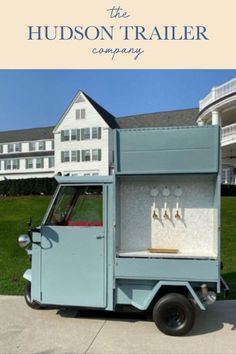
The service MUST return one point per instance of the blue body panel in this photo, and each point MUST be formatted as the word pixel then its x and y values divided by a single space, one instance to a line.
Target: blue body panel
pixel 167 150
pixel 167 269
pixel 73 266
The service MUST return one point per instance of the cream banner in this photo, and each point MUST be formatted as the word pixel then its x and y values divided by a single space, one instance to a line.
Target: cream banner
pixel 73 34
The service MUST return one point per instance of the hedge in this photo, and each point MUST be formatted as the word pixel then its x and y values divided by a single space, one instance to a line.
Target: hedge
pixel 228 190
pixel 47 186
pixel 27 186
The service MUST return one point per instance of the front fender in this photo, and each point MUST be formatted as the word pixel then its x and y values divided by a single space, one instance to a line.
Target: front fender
pixel 154 291
pixel 28 274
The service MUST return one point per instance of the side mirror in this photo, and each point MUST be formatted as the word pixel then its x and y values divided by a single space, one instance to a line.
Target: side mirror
pixel 24 240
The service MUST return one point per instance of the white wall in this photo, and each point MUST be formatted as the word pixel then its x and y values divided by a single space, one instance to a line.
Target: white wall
pixel 193 235
pixel 93 119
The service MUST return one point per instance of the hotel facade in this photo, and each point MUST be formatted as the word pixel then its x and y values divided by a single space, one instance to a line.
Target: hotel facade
pixel 81 143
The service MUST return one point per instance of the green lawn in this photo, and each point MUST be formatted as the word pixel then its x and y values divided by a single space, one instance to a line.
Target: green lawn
pixel 228 242
pixel 14 213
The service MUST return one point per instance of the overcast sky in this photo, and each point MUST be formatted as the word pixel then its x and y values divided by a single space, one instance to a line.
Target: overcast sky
pixel 35 98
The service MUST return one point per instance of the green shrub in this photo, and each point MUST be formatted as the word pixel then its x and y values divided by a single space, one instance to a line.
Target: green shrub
pixel 28 186
pixel 228 190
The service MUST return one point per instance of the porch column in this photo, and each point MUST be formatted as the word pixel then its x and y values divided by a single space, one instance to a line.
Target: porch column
pixel 215 118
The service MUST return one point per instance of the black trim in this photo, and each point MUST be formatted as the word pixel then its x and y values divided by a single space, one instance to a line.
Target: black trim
pixel 24 173
pixel 215 102
pixel 40 153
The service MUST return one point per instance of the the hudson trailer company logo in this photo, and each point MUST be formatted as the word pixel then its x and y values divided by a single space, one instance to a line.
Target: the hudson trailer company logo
pixel 117 31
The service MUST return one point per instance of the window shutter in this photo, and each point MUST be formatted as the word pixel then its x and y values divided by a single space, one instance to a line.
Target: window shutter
pixel 99 133
pixel 99 154
pixel 78 134
pixel 83 155
pixel 82 134
pixel 83 113
pixel 62 135
pixel 62 157
pixel 78 156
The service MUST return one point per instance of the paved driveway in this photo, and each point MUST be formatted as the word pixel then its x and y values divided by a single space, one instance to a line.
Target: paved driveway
pixel 23 330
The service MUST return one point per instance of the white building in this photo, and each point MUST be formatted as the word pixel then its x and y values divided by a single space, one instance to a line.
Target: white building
pixel 219 107
pixel 81 142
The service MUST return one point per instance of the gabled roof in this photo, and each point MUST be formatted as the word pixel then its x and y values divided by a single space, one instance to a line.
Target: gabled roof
pixel 42 133
pixel 108 117
pixel 183 117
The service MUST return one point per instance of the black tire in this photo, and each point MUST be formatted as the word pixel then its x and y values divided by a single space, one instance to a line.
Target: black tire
pixel 174 314
pixel 33 304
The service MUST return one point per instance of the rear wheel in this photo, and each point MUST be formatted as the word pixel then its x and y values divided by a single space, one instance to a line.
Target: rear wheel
pixel 174 315
pixel 33 304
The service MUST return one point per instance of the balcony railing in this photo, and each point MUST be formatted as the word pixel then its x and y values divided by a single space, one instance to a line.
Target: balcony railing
pixel 228 133
pixel 218 92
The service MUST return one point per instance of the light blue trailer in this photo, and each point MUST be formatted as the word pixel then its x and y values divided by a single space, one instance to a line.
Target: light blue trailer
pixel 146 237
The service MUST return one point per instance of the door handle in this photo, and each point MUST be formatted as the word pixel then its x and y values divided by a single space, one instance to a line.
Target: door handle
pixel 99 237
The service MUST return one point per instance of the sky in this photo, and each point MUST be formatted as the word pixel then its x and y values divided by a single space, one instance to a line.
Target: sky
pixel 37 98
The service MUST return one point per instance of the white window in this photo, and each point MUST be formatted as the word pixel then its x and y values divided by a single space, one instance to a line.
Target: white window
pixel 75 134
pixel 42 145
pixel 85 134
pixel 85 155
pixel 32 146
pixel 75 155
pixel 65 156
pixel 80 113
pixel 39 162
pixel 29 163
pixel 10 147
pixel 7 164
pixel 15 164
pixel 18 147
pixel 96 155
pixel 96 133
pixel 65 135
pixel 51 162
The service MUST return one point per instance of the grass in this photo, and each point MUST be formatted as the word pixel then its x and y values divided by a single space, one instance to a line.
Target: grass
pixel 228 242
pixel 14 213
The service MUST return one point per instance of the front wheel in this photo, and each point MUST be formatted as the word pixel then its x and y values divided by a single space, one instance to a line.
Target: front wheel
pixel 174 315
pixel 33 304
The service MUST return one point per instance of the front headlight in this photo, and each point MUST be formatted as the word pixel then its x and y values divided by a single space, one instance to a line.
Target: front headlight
pixel 24 240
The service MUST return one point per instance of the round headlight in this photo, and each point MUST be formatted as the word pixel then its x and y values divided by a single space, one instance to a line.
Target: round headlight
pixel 23 240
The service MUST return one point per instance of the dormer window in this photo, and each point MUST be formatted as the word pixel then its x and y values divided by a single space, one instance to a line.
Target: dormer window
pixel 10 147
pixel 32 146
pixel 80 113
pixel 42 145
pixel 18 147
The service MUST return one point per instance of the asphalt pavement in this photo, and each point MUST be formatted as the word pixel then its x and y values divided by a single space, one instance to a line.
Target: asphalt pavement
pixel 49 331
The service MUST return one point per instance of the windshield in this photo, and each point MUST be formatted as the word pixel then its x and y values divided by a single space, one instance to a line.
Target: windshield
pixel 77 206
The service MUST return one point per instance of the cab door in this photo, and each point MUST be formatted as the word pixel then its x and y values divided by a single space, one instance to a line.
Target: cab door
pixel 73 247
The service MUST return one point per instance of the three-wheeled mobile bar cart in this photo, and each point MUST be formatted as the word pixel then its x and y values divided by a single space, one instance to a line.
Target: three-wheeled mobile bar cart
pixel 146 237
